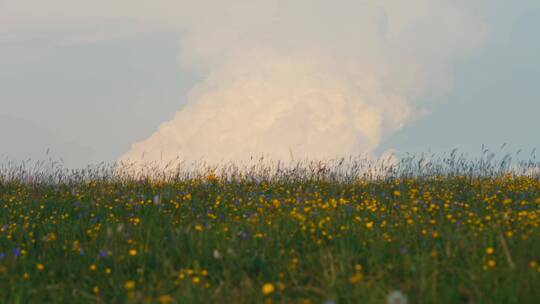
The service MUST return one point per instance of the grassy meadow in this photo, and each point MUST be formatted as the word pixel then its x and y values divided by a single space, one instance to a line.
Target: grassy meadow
pixel 447 231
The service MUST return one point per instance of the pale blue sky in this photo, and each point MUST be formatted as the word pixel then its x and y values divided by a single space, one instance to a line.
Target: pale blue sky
pixel 88 101
pixel 496 95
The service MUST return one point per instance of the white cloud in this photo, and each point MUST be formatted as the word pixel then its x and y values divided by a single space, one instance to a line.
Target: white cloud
pixel 316 77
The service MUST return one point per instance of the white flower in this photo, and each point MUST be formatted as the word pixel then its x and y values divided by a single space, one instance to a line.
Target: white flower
pixel 217 254
pixel 119 228
pixel 396 297
pixel 231 252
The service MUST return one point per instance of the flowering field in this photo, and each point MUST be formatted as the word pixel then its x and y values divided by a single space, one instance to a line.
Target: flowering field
pixel 456 238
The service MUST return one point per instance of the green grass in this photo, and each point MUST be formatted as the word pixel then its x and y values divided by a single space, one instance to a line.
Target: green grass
pixel 314 238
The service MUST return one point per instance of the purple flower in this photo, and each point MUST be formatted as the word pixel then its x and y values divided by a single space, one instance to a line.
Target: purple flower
pixel 102 253
pixel 2 255
pixel 16 252
pixel 243 235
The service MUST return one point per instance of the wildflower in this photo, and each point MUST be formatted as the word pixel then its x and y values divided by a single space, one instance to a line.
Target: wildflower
pixel 108 271
pixel 195 280
pixel 369 225
pixel 119 228
pixel 212 177
pixel 243 235
pixel 216 254
pixel 268 288
pixel 355 278
pixel 396 297
pixel 40 266
pixel 490 250
pixel 491 263
pixel 132 252
pixel 102 253
pixel 93 267
pixel 26 276
pixel 130 284
pixel 199 228
pixel 51 237
pixel 533 264
pixel 165 299
pixel 95 290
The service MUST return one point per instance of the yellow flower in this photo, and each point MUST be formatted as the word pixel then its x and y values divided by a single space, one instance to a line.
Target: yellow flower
pixel 355 278
pixel 369 225
pixel 490 250
pixel 198 227
pixel 533 264
pixel 129 284
pixel 93 267
pixel 108 270
pixel 95 290
pixel 132 252
pixel 196 280
pixel 165 299
pixel 26 276
pixel 40 267
pixel 268 288
pixel 212 177
pixel 492 263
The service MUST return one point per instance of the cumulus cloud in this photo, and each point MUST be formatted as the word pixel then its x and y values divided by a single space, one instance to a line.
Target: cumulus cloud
pixel 307 79
pixel 280 105
pixel 304 79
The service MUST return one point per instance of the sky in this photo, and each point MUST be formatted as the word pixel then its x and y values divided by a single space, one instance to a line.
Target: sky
pixel 87 82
